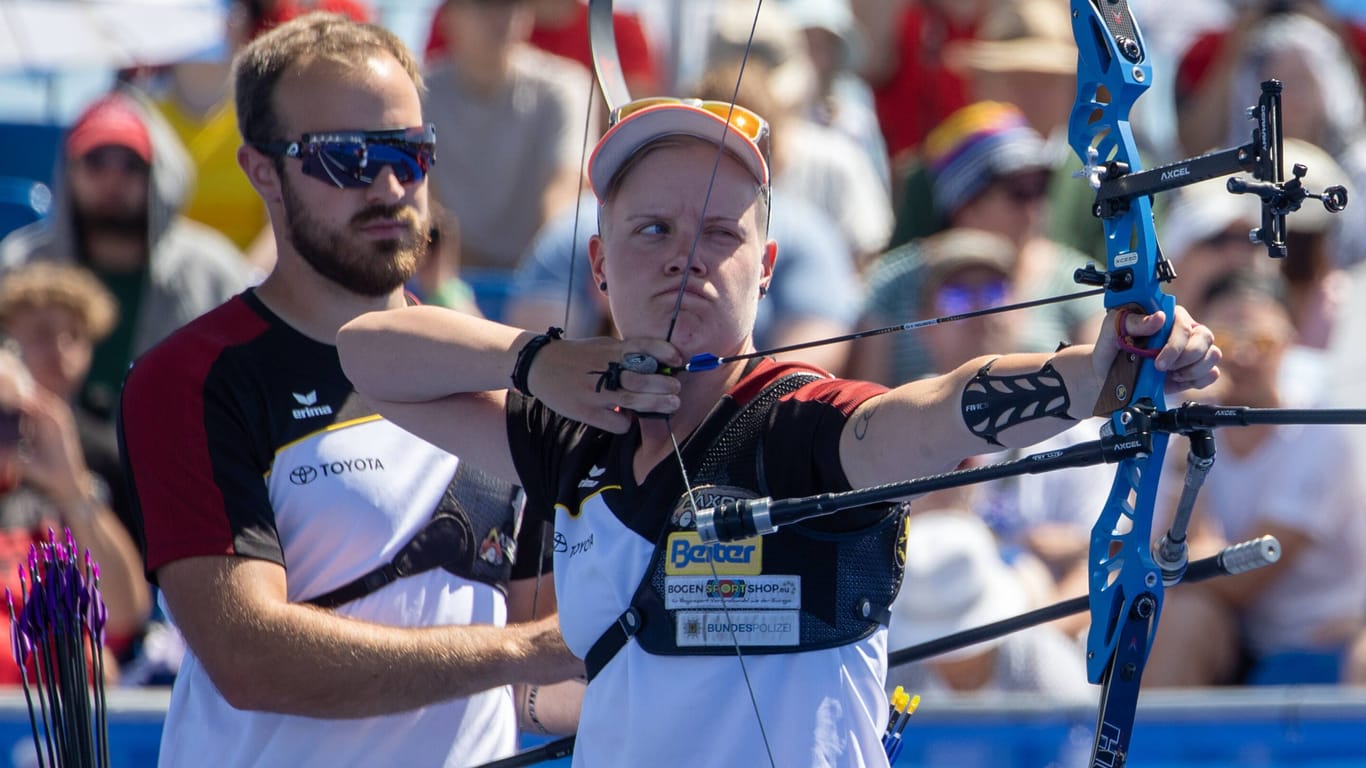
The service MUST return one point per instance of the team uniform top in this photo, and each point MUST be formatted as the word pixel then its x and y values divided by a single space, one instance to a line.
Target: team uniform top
pixel 821 707
pixel 272 455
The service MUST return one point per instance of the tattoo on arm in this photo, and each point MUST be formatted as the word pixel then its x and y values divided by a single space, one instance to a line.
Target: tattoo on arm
pixel 993 404
pixel 865 417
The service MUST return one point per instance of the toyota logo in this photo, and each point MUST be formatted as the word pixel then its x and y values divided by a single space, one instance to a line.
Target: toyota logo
pixel 303 475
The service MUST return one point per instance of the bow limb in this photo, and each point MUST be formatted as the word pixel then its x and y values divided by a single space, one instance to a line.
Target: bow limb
pixel 1125 585
pixel 606 61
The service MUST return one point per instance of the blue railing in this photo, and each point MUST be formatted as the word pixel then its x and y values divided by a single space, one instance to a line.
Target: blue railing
pixel 1260 727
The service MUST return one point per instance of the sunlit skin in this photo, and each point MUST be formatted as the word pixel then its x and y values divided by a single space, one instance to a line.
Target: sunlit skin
pixel 1254 332
pixel 377 231
pixel 647 232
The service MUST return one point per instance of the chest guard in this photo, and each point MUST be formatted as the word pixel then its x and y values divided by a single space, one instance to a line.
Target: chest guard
pixel 798 589
pixel 472 534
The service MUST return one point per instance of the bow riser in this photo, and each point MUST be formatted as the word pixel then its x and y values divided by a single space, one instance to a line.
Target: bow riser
pixel 1125 583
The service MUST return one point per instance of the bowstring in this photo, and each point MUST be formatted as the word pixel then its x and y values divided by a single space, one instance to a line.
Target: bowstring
pixel 673 323
pixel 569 295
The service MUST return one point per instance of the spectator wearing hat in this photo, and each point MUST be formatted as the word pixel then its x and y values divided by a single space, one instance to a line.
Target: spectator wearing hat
pixel 956 580
pixel 1044 521
pixel 1302 45
pixel 1320 246
pixel 1023 55
pixel 988 173
pixel 962 156
pixel 1206 235
pixel 964 270
pixel 122 181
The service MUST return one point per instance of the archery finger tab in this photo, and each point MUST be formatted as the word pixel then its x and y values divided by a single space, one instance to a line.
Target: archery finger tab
pixel 643 363
pixel 639 362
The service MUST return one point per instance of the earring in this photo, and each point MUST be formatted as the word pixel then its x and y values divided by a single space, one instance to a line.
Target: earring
pixel 763 291
pixel 603 286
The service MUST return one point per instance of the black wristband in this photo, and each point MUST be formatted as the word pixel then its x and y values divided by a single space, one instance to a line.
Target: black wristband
pixel 522 369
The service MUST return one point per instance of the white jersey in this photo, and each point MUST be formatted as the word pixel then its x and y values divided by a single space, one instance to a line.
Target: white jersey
pixel 266 452
pixel 643 709
pixel 818 708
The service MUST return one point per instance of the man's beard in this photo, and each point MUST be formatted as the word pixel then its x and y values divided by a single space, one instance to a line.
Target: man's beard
pixel 369 268
pixel 112 223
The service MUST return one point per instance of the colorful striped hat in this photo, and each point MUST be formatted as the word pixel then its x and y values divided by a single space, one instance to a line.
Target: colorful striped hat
pixel 975 145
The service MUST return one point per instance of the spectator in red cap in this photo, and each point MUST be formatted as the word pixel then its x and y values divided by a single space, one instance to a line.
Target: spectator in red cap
pixel 122 181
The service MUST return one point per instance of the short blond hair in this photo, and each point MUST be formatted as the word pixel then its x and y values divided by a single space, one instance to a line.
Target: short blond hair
pixel 43 284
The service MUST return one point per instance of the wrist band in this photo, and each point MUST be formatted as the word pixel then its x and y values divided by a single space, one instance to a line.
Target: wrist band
pixel 522 369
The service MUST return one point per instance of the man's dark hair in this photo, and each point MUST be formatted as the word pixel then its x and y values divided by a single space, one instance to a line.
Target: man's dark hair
pixel 294 44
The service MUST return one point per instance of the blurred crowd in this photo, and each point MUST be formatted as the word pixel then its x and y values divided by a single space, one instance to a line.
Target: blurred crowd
pixel 920 169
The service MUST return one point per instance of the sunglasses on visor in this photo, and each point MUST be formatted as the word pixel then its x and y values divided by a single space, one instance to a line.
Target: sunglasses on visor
pixel 352 159
pixel 746 121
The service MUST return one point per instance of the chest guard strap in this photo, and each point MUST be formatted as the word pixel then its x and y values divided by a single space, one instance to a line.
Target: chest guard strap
pixel 847 578
pixel 472 534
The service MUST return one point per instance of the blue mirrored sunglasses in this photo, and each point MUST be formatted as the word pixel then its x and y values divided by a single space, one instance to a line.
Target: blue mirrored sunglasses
pixel 352 159
pixel 957 298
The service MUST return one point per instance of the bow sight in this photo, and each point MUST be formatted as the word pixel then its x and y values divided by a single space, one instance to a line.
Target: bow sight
pixel 1262 157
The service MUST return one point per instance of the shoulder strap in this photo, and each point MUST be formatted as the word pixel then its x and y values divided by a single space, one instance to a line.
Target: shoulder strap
pixel 446 541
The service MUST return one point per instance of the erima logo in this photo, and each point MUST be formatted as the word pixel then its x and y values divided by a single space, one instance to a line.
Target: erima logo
pixel 1176 173
pixel 311 409
pixel 594 472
